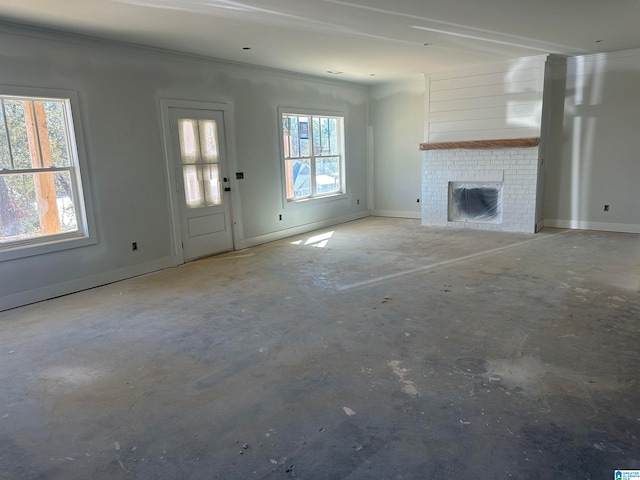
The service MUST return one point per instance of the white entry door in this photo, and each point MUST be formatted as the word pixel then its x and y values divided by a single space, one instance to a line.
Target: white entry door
pixel 202 181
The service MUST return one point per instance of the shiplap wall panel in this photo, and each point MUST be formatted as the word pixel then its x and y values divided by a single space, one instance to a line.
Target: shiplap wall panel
pixel 514 109
pixel 502 100
pixel 497 78
pixel 485 102
pixel 494 134
pixel 484 91
pixel 485 124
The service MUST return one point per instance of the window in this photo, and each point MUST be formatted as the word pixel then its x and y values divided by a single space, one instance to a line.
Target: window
pixel 41 198
pixel 313 150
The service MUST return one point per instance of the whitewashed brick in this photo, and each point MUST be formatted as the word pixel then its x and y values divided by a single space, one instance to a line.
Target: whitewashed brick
pixel 517 168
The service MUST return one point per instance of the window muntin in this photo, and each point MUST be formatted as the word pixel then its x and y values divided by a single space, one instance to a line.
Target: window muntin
pixel 313 155
pixel 40 191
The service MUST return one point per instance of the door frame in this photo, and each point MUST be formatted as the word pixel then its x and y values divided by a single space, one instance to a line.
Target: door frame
pixel 177 254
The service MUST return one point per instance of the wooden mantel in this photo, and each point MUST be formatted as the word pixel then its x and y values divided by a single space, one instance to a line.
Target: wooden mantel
pixel 477 144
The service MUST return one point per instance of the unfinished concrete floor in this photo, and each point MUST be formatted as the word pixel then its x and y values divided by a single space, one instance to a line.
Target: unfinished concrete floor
pixel 379 349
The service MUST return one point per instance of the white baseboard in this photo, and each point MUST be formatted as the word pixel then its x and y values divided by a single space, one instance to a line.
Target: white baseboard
pixel 290 232
pixel 584 225
pixel 396 213
pixel 64 288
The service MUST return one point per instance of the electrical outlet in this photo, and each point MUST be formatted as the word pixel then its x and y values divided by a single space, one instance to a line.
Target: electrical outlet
pixel 358 202
pixel 280 217
pixel 239 175
pixel 418 200
pixel 134 246
pixel 606 208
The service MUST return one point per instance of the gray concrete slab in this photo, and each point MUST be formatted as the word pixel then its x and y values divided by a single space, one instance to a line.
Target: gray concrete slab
pixel 377 349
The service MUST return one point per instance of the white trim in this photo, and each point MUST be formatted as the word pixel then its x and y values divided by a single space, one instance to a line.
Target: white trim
pixel 232 165
pixel 595 57
pixel 427 108
pixel 177 254
pixel 72 286
pixel 313 112
pixel 55 243
pixel 86 234
pixel 586 225
pixel 309 227
pixel 370 166
pixel 396 214
pixel 165 104
pixel 315 200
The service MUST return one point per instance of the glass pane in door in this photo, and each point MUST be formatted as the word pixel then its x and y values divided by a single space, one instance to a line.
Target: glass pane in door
pixel 211 181
pixel 189 142
pixel 193 194
pixel 209 140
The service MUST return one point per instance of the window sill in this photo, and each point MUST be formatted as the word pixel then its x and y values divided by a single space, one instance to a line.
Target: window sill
pixel 44 247
pixel 324 198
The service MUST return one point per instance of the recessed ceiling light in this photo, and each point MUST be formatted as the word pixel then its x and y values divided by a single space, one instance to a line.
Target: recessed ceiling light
pixel 599 41
pixel 334 72
pixel 246 48
pixel 428 44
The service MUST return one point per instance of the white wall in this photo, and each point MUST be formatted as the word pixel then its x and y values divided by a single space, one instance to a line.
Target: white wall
pixel 552 118
pixel 593 156
pixel 397 117
pixel 495 101
pixel 119 89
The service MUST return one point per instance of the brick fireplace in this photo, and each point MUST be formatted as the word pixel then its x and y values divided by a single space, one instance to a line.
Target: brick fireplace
pixel 510 167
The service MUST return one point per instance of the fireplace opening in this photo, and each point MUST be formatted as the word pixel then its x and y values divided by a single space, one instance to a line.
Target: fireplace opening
pixel 475 202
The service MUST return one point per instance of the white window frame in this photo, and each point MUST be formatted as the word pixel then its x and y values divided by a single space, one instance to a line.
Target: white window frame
pixel 314 197
pixel 85 234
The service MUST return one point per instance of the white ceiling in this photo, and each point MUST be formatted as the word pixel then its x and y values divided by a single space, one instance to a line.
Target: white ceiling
pixel 368 40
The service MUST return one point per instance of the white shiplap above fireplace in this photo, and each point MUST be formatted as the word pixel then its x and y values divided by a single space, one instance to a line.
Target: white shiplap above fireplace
pixel 493 102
